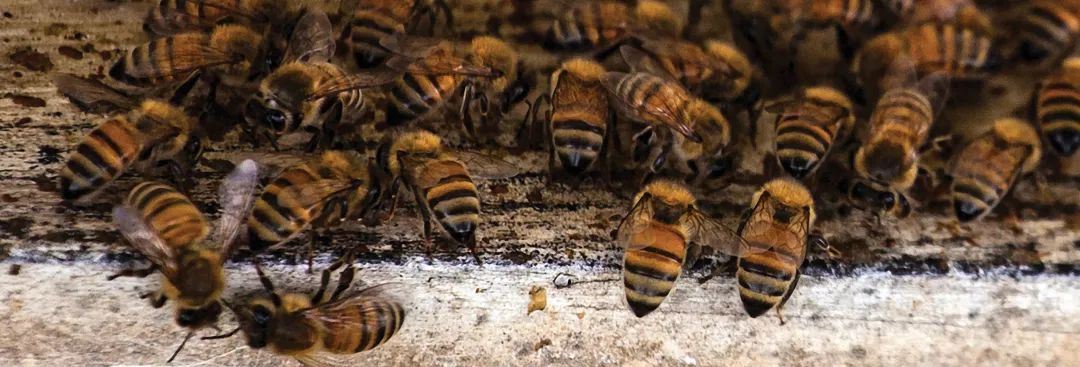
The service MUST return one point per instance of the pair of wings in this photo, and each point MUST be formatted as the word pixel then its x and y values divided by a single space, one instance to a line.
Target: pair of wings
pixel 797 106
pixel 667 112
pixel 643 60
pixel 236 196
pixel 702 229
pixel 179 21
pixel 759 223
pixel 478 164
pixel 409 55
pixel 342 313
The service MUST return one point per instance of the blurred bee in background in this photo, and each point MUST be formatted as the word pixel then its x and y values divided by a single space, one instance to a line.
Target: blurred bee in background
pixel 1045 31
pixel 495 96
pixel 958 52
pixel 809 126
pixel 987 168
pixel 317 331
pixel 228 52
pixel 701 131
pixel 962 12
pixel 151 135
pixel 887 163
pixel 441 181
pixel 319 193
pixel 1056 108
pixel 661 234
pixel 368 21
pixel 777 230
pixel 178 16
pixel 166 228
pixel 578 128
pixel 602 25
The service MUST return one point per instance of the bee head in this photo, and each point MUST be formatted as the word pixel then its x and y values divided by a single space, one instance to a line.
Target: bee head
pixel 198 317
pixel 869 195
pixel 255 321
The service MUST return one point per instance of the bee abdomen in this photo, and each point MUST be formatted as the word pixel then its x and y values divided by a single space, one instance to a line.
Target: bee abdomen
pixel 953 49
pixel 169 213
pixel 378 321
pixel 800 145
pixel 456 205
pixel 763 280
pixel 577 143
pixel 649 273
pixel 154 62
pixel 1047 30
pixel 414 95
pixel 272 221
pixel 971 199
pixel 365 31
pixel 101 157
pixel 1059 116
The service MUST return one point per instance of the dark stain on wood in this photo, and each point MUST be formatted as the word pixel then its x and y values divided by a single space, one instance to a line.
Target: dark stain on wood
pixel 17 227
pixel 48 154
pixel 70 52
pixel 27 101
pixel 31 59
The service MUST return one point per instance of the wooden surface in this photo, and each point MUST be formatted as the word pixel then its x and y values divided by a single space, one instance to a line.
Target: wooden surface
pixel 905 291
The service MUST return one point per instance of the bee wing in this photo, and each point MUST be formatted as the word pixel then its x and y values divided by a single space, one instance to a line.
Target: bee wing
pixel 412 46
pixel 311 194
pixel 184 61
pixel 485 166
pixel 664 112
pixel 92 95
pixel 320 358
pixel 367 79
pixel 709 231
pixel 376 300
pixel 312 38
pixel 236 197
pixel 139 235
pixel 634 224
pixel 641 61
pixel 439 65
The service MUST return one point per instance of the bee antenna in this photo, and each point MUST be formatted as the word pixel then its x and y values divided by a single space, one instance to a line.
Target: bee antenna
pixel 182 344
pixel 222 336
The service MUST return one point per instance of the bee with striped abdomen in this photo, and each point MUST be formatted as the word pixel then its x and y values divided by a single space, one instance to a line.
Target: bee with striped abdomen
pixel 178 16
pixel 229 52
pixel 317 331
pixel 777 229
pixel 163 225
pixel 600 25
pixel 987 168
pixel 578 127
pixel 318 193
pixel 962 12
pixel 1046 31
pixel 368 21
pixel 1056 108
pixel 809 126
pixel 153 135
pixel 663 225
pixel 496 96
pixel 441 181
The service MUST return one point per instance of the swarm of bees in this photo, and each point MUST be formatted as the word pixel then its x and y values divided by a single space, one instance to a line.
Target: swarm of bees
pixel 637 88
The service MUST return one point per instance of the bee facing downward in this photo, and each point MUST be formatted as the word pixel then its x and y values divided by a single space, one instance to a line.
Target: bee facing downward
pixel 987 168
pixel 665 224
pixel 163 225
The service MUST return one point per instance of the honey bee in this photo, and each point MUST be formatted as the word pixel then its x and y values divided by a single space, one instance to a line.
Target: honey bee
pixel 703 131
pixel 852 21
pixel 604 24
pixel 1046 31
pixel 809 126
pixel 229 51
pixel 494 96
pixel 663 224
pixel 984 171
pixel 153 135
pixel 317 193
pixel 959 52
pixel 1056 108
pixel 777 228
pixel 717 71
pixel 963 12
pixel 577 127
pixel 318 332
pixel 441 181
pixel 178 16
pixel 163 225
pixel 368 21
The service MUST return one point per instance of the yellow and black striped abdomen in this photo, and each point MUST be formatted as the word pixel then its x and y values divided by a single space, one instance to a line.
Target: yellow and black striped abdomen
pixel 903 114
pixel 982 175
pixel 363 33
pixel 414 95
pixel 844 12
pixel 802 144
pixel 162 60
pixel 1058 112
pixel 588 25
pixel 275 219
pixel 101 157
pixel 578 137
pixel 169 214
pixel 377 321
pixel 453 199
pixel 766 279
pixel 959 52
pixel 651 265
pixel 174 16
pixel 1047 30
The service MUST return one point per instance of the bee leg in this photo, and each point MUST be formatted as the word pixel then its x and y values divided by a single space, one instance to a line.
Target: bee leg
pixel 425 216
pixel 693 252
pixel 181 176
pixel 817 239
pixel 471 244
pixel 157 299
pixel 465 110
pixel 325 280
pixel 693 17
pixel 787 295
pixel 718 270
pixel 845 43
pixel 345 280
pixel 273 140
pixel 138 273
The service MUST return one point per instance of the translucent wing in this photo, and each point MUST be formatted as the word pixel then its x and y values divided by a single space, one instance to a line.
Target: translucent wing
pixel 236 196
pixel 139 235
pixel 367 79
pixel 440 64
pixel 413 46
pixel 320 358
pixel 663 108
pixel 184 61
pixel 642 62
pixel 485 166
pixel 312 39
pixel 381 306
pixel 708 231
pixel 92 95
pixel 311 194
pixel 634 225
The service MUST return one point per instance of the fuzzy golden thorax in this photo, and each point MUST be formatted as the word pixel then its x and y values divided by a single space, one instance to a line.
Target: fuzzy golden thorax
pixel 788 192
pixel 413 143
pixel 1014 131
pixel 496 54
